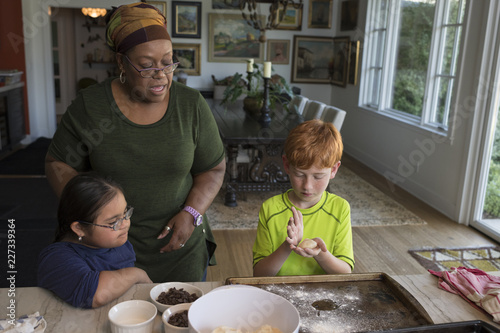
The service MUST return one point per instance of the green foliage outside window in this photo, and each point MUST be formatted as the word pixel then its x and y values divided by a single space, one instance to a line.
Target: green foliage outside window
pixel 491 207
pixel 413 56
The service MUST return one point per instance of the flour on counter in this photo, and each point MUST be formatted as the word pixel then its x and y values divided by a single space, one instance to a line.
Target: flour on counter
pixel 348 317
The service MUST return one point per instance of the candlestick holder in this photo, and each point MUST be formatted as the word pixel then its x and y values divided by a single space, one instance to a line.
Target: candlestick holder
pixel 249 79
pixel 264 112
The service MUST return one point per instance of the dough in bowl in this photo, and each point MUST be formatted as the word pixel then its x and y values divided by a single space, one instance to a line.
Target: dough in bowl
pixel 262 329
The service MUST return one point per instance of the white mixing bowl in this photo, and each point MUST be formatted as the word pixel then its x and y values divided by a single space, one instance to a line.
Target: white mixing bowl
pixel 246 309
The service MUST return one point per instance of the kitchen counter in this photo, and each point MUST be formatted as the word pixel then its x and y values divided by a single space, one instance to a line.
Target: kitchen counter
pixel 442 306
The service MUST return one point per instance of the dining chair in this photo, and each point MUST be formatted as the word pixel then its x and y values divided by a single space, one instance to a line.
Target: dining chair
pixel 333 115
pixel 313 109
pixel 298 103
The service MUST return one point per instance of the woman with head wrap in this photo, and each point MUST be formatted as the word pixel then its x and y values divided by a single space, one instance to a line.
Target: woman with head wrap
pixel 157 138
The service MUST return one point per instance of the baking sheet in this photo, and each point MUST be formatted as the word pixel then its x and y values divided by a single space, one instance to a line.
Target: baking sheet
pixel 473 326
pixel 366 302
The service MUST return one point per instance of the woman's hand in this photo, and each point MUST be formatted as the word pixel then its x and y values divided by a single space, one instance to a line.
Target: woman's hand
pixel 181 226
pixel 295 229
pixel 206 185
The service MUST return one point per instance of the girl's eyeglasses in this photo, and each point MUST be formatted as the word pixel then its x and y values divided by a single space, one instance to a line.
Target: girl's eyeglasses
pixel 118 223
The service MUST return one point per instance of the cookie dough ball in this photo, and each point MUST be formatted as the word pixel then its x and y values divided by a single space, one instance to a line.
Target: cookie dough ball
pixel 308 244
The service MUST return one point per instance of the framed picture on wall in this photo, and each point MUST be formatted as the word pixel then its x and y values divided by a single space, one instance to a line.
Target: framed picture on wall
pixel 291 19
pixel 349 15
pixel 189 57
pixel 320 14
pixel 161 5
pixel 353 62
pixel 278 51
pixel 186 19
pixel 231 39
pixel 340 65
pixel 312 59
pixel 226 4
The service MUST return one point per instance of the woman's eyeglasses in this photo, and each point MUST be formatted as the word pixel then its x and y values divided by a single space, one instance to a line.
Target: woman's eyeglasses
pixel 150 72
pixel 118 223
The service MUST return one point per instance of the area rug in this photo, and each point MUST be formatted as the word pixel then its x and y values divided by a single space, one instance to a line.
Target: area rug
pixel 486 258
pixel 369 206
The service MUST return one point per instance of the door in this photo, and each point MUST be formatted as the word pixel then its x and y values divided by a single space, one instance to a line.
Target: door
pixel 63 53
pixel 488 208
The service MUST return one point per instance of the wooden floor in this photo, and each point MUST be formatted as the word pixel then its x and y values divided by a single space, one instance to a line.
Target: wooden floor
pixel 376 249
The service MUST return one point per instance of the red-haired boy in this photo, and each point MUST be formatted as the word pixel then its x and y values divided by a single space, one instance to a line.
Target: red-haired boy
pixel 312 158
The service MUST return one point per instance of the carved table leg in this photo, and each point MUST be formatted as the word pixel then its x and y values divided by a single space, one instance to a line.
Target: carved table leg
pixel 232 154
pixel 268 169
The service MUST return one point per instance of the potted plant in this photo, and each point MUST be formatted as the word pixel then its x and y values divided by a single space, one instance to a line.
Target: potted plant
pixel 221 85
pixel 237 86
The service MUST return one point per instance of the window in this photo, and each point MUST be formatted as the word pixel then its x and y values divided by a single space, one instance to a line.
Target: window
pixel 412 51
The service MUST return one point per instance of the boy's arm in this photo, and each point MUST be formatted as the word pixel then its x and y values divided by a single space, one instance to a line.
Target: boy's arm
pixel 270 265
pixel 327 261
pixel 331 264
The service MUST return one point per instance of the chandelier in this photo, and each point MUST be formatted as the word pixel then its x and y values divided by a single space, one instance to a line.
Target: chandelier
pixel 94 12
pixel 249 11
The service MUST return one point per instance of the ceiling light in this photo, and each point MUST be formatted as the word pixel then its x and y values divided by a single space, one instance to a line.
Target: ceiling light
pixel 94 12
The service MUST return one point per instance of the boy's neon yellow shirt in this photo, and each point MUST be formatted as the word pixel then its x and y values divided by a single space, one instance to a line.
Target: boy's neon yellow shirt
pixel 329 219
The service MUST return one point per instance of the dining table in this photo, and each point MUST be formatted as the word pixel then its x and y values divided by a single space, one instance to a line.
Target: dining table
pixel 440 305
pixel 242 130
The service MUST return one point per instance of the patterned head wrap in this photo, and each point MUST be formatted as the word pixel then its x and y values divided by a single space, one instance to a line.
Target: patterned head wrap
pixel 137 23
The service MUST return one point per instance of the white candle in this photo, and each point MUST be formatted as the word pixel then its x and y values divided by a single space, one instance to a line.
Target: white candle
pixel 250 65
pixel 267 69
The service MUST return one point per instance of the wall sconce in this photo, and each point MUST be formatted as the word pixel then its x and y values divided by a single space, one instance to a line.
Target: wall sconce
pixel 94 12
pixel 249 13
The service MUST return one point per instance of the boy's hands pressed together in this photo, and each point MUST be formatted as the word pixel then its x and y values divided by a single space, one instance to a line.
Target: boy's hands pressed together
pixel 295 229
pixel 310 253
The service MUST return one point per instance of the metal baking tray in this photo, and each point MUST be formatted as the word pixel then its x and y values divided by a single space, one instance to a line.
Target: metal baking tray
pixel 362 302
pixel 473 326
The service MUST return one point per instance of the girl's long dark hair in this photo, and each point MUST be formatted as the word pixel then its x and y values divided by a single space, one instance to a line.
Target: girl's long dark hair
pixel 82 199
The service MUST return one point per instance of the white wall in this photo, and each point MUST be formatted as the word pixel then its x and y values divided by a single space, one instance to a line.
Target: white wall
pixel 39 56
pixel 319 92
pixel 429 166
pixel 95 47
pixel 390 147
pixel 39 69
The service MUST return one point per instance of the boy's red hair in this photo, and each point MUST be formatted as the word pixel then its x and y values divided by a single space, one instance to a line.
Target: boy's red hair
pixel 314 142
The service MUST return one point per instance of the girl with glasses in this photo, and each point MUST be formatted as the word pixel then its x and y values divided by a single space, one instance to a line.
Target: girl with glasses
pixel 91 262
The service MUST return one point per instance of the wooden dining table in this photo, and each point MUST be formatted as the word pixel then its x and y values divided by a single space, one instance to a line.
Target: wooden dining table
pixel 239 129
pixel 441 306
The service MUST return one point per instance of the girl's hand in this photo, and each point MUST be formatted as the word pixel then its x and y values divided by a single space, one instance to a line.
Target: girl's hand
pixel 295 229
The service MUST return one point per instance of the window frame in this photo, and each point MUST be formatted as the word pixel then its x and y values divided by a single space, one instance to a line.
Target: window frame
pixel 387 66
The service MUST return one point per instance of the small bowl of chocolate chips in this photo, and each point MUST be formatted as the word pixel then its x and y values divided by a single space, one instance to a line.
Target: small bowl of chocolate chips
pixel 168 294
pixel 175 318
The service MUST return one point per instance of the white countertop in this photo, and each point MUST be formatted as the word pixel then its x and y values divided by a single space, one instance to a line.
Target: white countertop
pixel 442 306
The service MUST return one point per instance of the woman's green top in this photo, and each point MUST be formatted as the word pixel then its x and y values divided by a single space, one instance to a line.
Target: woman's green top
pixel 153 163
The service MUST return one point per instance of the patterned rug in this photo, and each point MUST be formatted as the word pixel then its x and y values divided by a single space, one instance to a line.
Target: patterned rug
pixel 486 258
pixel 369 206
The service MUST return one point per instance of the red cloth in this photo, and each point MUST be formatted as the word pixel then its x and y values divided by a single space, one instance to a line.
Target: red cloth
pixel 474 285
